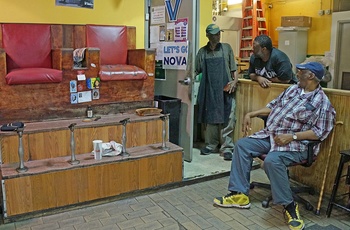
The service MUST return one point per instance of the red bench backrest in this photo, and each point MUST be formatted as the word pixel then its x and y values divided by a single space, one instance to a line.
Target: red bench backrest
pixel 112 41
pixel 27 45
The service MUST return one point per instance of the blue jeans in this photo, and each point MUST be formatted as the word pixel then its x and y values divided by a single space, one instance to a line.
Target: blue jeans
pixel 275 166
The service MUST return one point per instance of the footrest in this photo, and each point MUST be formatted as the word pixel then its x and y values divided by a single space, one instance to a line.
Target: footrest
pixel 12 126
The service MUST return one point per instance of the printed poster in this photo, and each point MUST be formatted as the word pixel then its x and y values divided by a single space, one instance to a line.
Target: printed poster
pixel 175 55
pixel 181 30
pixel 157 15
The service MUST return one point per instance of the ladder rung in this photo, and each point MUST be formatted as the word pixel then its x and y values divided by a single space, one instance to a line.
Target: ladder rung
pixel 247 38
pixel 254 23
pixel 245 59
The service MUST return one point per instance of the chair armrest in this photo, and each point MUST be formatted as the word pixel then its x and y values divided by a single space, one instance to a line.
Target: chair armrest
pixel 144 59
pixel 62 58
pixel 264 118
pixel 92 60
pixel 310 151
pixel 3 69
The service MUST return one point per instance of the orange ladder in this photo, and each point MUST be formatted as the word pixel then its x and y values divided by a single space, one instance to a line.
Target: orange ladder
pixel 253 24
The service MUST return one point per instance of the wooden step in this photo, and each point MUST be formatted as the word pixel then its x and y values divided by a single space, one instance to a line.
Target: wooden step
pixel 54 183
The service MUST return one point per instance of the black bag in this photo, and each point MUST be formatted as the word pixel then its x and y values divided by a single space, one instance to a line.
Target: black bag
pixel 12 126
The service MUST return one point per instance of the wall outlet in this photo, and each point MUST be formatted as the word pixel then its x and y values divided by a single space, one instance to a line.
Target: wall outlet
pixel 328 12
pixel 321 12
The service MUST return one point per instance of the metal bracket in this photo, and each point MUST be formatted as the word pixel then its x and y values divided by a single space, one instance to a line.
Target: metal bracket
pixel 73 160
pixel 124 122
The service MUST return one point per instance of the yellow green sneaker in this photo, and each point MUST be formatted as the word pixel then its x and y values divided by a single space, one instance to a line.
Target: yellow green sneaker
pixel 293 218
pixel 233 199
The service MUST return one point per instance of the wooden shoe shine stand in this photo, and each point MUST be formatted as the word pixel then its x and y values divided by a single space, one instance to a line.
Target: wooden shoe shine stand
pixel 52 182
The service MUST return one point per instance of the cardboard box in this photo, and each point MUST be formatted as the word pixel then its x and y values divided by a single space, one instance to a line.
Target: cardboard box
pixel 301 21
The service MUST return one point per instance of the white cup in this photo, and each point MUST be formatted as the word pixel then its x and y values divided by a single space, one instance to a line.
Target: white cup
pixel 97 149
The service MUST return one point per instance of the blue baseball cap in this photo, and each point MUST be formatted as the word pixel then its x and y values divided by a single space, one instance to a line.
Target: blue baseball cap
pixel 212 29
pixel 314 67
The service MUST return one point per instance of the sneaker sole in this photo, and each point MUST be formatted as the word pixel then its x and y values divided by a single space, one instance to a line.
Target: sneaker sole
pixel 303 227
pixel 291 227
pixel 233 205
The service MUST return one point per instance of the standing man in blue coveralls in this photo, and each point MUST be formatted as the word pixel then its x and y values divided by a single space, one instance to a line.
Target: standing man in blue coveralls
pixel 302 112
pixel 216 99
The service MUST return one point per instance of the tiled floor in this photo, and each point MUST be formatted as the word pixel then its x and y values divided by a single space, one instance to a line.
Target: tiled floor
pixel 205 165
pixel 184 207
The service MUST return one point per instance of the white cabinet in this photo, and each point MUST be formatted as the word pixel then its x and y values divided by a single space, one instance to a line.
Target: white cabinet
pixel 293 42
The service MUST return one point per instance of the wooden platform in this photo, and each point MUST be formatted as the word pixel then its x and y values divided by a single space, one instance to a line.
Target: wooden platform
pixel 51 182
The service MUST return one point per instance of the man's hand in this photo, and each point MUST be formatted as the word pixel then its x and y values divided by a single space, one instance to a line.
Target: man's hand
pixel 246 125
pixel 230 87
pixel 283 139
pixel 263 82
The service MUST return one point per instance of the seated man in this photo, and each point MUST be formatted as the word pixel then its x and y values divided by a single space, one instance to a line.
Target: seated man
pixel 301 112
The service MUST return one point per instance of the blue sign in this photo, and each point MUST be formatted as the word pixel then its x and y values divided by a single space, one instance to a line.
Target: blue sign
pixel 172 12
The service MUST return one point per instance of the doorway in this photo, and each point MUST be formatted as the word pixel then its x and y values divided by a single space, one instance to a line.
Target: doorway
pixel 340 49
pixel 213 164
pixel 175 84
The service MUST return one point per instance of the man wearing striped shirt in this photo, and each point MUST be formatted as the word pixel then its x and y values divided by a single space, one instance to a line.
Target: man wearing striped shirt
pixel 301 112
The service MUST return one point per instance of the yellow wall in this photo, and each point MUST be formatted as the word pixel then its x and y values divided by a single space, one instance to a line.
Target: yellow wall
pixel 205 16
pixel 122 12
pixel 108 12
pixel 319 35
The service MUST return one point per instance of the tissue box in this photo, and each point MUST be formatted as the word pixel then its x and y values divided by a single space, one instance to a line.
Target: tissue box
pixel 301 21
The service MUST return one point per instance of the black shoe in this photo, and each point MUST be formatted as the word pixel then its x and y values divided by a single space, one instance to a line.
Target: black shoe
pixel 207 151
pixel 227 156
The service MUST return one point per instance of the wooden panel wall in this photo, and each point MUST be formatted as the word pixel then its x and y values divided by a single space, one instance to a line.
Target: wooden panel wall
pixel 250 96
pixel 58 189
pixel 38 102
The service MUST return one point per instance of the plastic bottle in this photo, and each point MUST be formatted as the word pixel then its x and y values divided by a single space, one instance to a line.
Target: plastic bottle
pixel 89 112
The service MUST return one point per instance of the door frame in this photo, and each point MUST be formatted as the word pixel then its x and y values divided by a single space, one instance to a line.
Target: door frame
pixel 187 110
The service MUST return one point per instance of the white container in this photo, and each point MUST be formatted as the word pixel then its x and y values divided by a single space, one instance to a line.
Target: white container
pixel 97 149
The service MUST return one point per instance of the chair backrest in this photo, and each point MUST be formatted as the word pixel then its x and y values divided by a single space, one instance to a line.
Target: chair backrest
pixel 26 45
pixel 112 42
